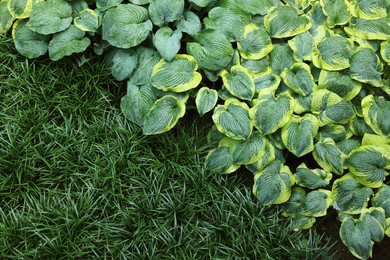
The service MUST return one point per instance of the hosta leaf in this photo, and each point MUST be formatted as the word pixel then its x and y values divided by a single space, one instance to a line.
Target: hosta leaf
pixel 205 100
pixel 163 115
pixel 273 184
pixel 261 7
pixel 163 12
pixel 104 5
pixel 87 20
pixel 376 114
pixel 212 50
pixel 257 68
pixel 67 42
pixel 331 108
pixel 328 156
pixel 20 8
pixel 298 134
pixel 227 22
pixel 336 11
pixel 268 82
pixel 302 103
pixel 6 19
pixel 267 158
pixel 373 139
pixel 239 82
pixel 147 58
pixel 374 218
pixel 255 44
pixel 269 113
pixel 366 67
pixel 302 46
pixel 349 195
pixel 246 151
pixel 203 3
pixel 312 178
pixel 140 2
pixel 359 127
pixel 300 222
pixel 334 131
pixel 137 102
pixel 214 137
pixel 27 42
pixel 340 83
pixel 167 42
pixel 357 237
pixel 326 56
pixel 126 25
pixel 232 119
pixel 284 21
pixel 178 75
pixel 51 16
pixel 382 199
pixel 369 29
pixel 122 62
pixel 369 9
pixel 316 14
pixel 316 203
pixel 293 206
pixel 219 160
pixel 298 78
pixel 189 23
pixel 368 164
pixel 281 57
pixel 385 50
pixel 348 145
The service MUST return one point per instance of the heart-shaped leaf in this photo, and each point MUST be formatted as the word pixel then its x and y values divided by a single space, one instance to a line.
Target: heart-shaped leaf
pixel 205 100
pixel 167 42
pixel 87 20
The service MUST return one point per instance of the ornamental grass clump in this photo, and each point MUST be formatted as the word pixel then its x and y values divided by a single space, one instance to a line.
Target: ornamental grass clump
pixel 308 79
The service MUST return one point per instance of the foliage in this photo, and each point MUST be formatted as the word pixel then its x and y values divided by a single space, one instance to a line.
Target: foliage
pixel 306 78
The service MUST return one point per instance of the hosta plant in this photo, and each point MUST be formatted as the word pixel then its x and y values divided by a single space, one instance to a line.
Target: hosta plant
pixel 283 81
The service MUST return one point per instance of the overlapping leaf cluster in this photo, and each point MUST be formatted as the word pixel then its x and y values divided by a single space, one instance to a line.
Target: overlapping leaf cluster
pixel 300 77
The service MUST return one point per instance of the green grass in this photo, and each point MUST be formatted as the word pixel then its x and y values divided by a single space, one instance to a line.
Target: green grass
pixel 78 181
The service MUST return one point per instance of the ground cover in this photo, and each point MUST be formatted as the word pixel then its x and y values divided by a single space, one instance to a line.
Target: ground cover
pixel 77 180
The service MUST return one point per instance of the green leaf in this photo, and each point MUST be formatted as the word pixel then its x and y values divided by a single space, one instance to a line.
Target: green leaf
pixel 19 9
pixel 239 82
pixel 203 3
pixel 316 203
pixel 255 43
pixel 67 42
pixel 232 119
pixel 331 108
pixel 257 68
pixel 122 62
pixel 104 5
pixel 348 145
pixel 349 195
pixel 189 23
pixel 312 178
pixel 6 19
pixel 266 159
pixel 126 25
pixel 163 115
pixel 326 56
pixel 246 151
pixel 205 100
pixel 385 50
pixel 273 184
pixel 212 50
pixel 87 21
pixel 284 21
pixel 366 67
pixel 336 11
pixel 302 46
pixel 281 57
pixel 163 12
pixel 376 114
pixel 298 134
pixel 382 199
pixel 373 139
pixel 369 9
pixel 219 160
pixel 334 131
pixel 340 83
pixel 359 127
pixel 227 22
pixel 178 75
pixel 369 29
pixel 137 102
pixel 293 206
pixel 147 58
pixel 167 42
pixel 299 222
pixel 140 2
pixel 368 164
pixel 214 137
pixel 269 82
pixel 27 42
pixel 299 79
pixel 50 16
pixel 302 103
pixel 269 113
pixel 328 156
